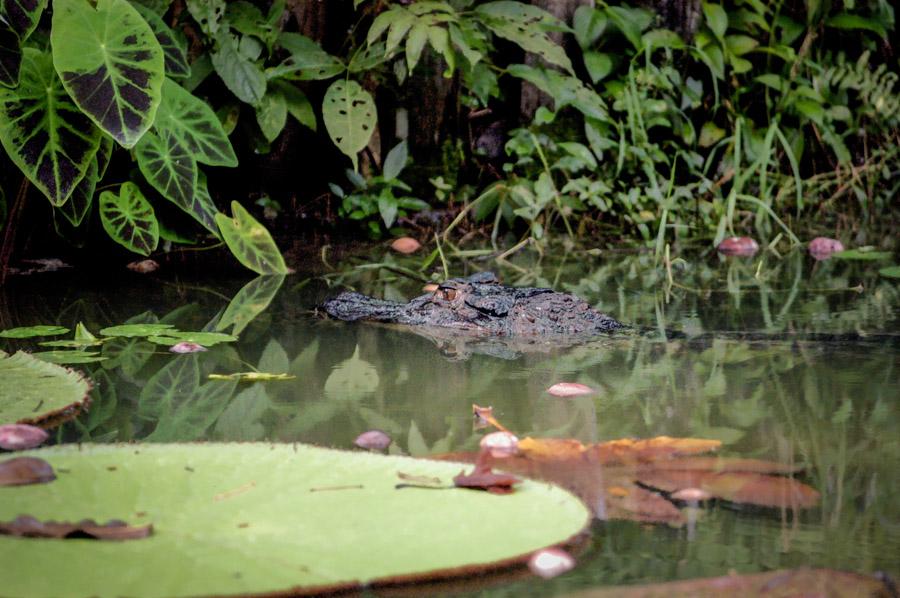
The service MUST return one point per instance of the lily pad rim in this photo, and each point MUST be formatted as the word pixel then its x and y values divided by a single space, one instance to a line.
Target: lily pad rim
pixel 54 418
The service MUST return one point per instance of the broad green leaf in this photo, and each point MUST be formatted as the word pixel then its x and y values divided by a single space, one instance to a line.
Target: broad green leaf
pixel 565 90
pixel 203 209
pixel 350 117
pixel 136 330
pixel 716 19
pixel 207 13
pixel 662 38
pixel 352 379
pixel 307 60
pixel 51 141
pixel 250 242
pixel 387 208
pixel 129 219
pixel 415 44
pixel 129 355
pixel 170 167
pixel 191 415
pixel 890 272
pixel 440 41
pixel 34 391
pixel 740 44
pixel 83 335
pixel 525 25
pixel 395 161
pixel 110 63
pixel 33 331
pixel 862 254
pixel 851 21
pixel 240 421
pixel 241 76
pixel 710 134
pixel 195 125
pixel 253 299
pixel 68 357
pixel 179 378
pixel 18 18
pixel 256 518
pixel 207 339
pixel 274 358
pixel 588 24
pixel 297 103
pixel 631 22
pixel 173 44
pixel 271 115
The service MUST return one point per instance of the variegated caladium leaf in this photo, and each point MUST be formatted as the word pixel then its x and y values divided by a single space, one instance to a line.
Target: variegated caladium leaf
pixel 250 242
pixel 129 219
pixel 18 18
pixel 79 203
pixel 195 125
pixel 111 64
pixel 168 165
pixel 172 42
pixel 43 132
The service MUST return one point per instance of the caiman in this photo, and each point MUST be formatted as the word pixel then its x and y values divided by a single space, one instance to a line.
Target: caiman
pixel 480 304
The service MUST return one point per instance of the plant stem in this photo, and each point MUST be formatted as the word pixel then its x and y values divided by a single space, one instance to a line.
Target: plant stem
pixel 9 235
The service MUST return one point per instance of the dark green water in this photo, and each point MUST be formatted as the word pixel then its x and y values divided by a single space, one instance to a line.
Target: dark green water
pixel 783 359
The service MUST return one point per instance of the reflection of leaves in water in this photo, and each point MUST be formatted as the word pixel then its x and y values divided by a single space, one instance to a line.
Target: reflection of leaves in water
pixel 240 420
pixel 352 379
pixel 274 358
pixel 249 302
pixel 415 443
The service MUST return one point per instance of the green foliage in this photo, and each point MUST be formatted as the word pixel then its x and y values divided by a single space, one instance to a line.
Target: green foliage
pixel 33 389
pixel 129 219
pixel 250 242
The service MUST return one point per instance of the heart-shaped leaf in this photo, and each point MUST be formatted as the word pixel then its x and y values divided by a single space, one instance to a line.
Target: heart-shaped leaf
pixel 350 117
pixel 170 168
pixel 249 302
pixel 173 44
pixel 307 60
pixel 261 518
pixel 129 219
pixel 271 115
pixel 43 132
pixel 195 125
pixel 250 242
pixel 18 18
pixel 79 203
pixel 110 63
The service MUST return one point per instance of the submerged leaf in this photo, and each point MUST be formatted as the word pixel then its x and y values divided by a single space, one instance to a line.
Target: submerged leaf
pixel 25 526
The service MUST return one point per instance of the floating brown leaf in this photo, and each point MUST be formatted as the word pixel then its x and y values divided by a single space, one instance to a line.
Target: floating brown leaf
pixel 25 470
pixel 740 246
pixel 772 584
pixel 484 478
pixel 143 266
pixel 26 526
pixel 405 245
pixel 748 488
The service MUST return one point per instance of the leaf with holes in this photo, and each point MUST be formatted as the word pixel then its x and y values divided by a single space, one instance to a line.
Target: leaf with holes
pixel 43 132
pixel 195 125
pixel 110 63
pixel 207 13
pixel 173 43
pixel 128 218
pixel 250 242
pixel 349 114
pixel 171 169
pixel 18 18
pixel 525 26
pixel 241 76
pixel 307 60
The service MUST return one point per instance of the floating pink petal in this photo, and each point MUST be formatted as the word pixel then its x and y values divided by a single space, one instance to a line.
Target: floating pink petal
pixel 821 248
pixel 501 444
pixel 550 562
pixel 373 440
pixel 405 245
pixel 740 246
pixel 16 437
pixel 187 347
pixel 570 389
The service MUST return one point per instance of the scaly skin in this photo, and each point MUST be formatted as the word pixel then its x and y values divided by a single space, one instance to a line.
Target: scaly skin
pixel 480 304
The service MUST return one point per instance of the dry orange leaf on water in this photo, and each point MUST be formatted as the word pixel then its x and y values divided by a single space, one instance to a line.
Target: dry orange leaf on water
pixel 632 479
pixel 484 478
pixel 25 470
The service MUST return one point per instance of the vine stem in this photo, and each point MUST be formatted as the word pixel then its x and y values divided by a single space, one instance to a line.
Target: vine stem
pixel 9 234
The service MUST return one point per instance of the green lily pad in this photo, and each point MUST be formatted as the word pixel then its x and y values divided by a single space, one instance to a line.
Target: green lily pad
pixel 207 339
pixel 889 272
pixel 256 518
pixel 39 393
pixel 861 254
pixel 68 357
pixel 132 330
pixel 32 331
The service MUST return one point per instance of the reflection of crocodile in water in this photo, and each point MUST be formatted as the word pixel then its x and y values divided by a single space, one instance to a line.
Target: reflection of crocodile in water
pixel 481 305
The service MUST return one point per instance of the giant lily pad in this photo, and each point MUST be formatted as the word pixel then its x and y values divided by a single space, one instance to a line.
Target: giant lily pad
pixel 259 518
pixel 35 392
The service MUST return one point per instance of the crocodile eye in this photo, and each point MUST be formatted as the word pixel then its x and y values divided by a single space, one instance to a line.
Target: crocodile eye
pixel 448 294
